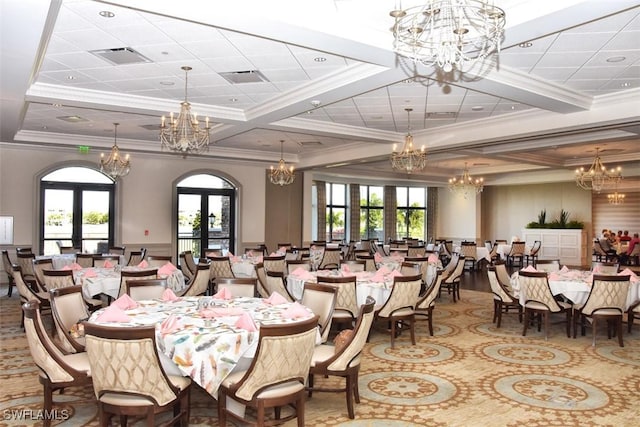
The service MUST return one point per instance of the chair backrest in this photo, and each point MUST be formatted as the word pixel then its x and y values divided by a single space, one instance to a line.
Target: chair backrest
pixel 126 276
pixel 457 271
pixel 186 270
pixel 399 252
pixel 291 345
pixel 220 267
pixel 330 259
pixel 24 250
pixel 275 283
pixel 39 266
pixel 428 297
pixel 608 292
pixel 84 260
pixel 25 261
pixel 159 260
pixel 111 351
pixel 496 287
pixel 117 250
pixel 410 269
pixel 536 287
pixel 517 249
pixel 238 286
pixel 146 289
pixel 263 291
pixel 7 265
pixel 416 251
pixel 503 275
pixel 349 354
pixel 293 265
pixel 46 355
pixel 346 295
pixel 291 255
pixel 453 263
pixel 597 248
pixel 423 265
pixel 54 279
pixel 605 267
pixel 321 299
pixel 548 265
pixel 404 294
pixel 68 250
pixel 190 262
pixel 354 266
pixel 135 258
pixel 537 244
pixel 25 291
pixel 199 283
pixel 101 260
pixel 68 309
pixel 468 249
pixel 274 263
pixel 369 262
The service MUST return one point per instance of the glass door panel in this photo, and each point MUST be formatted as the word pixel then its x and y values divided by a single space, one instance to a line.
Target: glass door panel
pixel 219 225
pixel 189 223
pixel 95 221
pixel 58 220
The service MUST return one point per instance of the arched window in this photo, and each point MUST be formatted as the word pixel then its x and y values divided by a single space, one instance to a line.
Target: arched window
pixel 77 209
pixel 215 230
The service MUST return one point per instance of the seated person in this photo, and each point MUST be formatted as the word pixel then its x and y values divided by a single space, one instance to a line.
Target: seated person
pixel 625 236
pixel 624 257
pixel 605 243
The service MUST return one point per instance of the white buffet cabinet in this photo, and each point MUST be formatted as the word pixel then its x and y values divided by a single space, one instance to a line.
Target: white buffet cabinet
pixel 567 245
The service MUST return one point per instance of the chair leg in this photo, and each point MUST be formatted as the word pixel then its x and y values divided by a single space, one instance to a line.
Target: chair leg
pixel 430 320
pixel 527 319
pixel 300 409
pixel 412 329
pixel 350 395
pixel 619 329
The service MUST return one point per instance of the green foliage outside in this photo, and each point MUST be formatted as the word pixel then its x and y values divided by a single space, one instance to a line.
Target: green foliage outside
pixel 95 218
pixel 58 219
pixel 414 218
pixel 369 226
pixel 195 224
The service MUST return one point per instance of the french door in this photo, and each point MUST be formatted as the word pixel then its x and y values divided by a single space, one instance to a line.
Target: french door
pixel 76 214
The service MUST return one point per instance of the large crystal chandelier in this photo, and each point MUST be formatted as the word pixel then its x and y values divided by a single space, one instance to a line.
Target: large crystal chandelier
pixel 115 165
pixel 597 177
pixel 281 175
pixel 466 184
pixel 409 159
pixel 616 198
pixel 184 134
pixel 448 33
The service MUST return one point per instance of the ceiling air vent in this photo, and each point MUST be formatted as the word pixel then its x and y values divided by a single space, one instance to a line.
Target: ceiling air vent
pixel 238 77
pixel 155 126
pixel 310 143
pixel 441 115
pixel 121 56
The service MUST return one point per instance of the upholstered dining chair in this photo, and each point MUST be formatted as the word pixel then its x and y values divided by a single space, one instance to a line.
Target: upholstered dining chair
pixel 25 260
pixel 276 377
pixel 531 256
pixel 601 267
pixel 548 265
pixel 199 284
pixel 136 257
pixel 57 370
pixel 263 291
pixel 633 312
pixel 503 275
pixel 101 260
pixel 416 251
pixel 354 266
pixel 410 269
pixel 220 267
pixel 69 250
pixel 117 250
pixel 452 281
pixel 399 308
pixel 146 289
pixel 53 279
pixel 126 276
pixel 238 286
pixel 469 250
pixel 540 300
pixel 128 389
pixel 503 300
pixel 293 265
pixel 158 260
pixel 275 282
pixel 84 260
pixel 39 266
pixel 7 265
pixel 369 261
pixel 343 358
pixel 188 264
pixel 274 263
pixel 427 300
pixel 69 310
pixel 321 299
pixel 330 259
pixel 345 311
pixel 27 293
pixel 606 301
pixel 423 265
pixel 516 254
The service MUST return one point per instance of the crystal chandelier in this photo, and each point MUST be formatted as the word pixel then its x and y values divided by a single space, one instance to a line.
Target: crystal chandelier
pixel 448 33
pixel 466 185
pixel 281 175
pixel 184 134
pixel 597 177
pixel 115 165
pixel 409 159
pixel 615 198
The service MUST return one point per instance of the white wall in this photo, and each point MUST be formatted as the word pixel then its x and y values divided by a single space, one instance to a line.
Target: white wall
pixel 458 218
pixel 144 196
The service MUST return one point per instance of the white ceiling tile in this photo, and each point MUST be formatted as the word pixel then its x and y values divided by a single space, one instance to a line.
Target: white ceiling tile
pixel 563 59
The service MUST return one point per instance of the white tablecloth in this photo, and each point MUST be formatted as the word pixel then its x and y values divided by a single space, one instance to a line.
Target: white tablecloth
pixel 107 280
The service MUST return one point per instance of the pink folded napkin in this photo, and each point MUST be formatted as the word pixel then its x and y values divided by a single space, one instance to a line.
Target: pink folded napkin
pixel 362 274
pixel 66 267
pixel 258 258
pixel 143 264
pixel 627 272
pixel 113 313
pixel 554 276
pixel 167 269
pixel 246 322
pixel 564 269
pixel 108 264
pixel 345 268
pixel 377 278
pixel 230 255
pixel 234 258
pixel 125 302
pixel 295 311
pixel 298 272
pixel 377 257
pixel 313 247
pixel 433 258
pixel 395 273
pixel 250 254
pixel 275 299
pixel 89 272
pixel 383 270
pixel 223 293
pixel 597 269
pixel 169 295
pixel 530 269
pixel 220 312
pixel 589 279
pixel 170 325
pixel 282 249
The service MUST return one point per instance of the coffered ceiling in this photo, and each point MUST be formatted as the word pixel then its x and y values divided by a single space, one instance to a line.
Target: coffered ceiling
pixel 322 77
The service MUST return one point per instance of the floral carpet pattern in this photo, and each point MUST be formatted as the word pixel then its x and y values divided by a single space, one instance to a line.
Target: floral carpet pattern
pixel 470 373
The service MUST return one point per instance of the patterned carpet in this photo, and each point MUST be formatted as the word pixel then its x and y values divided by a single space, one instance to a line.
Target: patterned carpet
pixel 468 374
